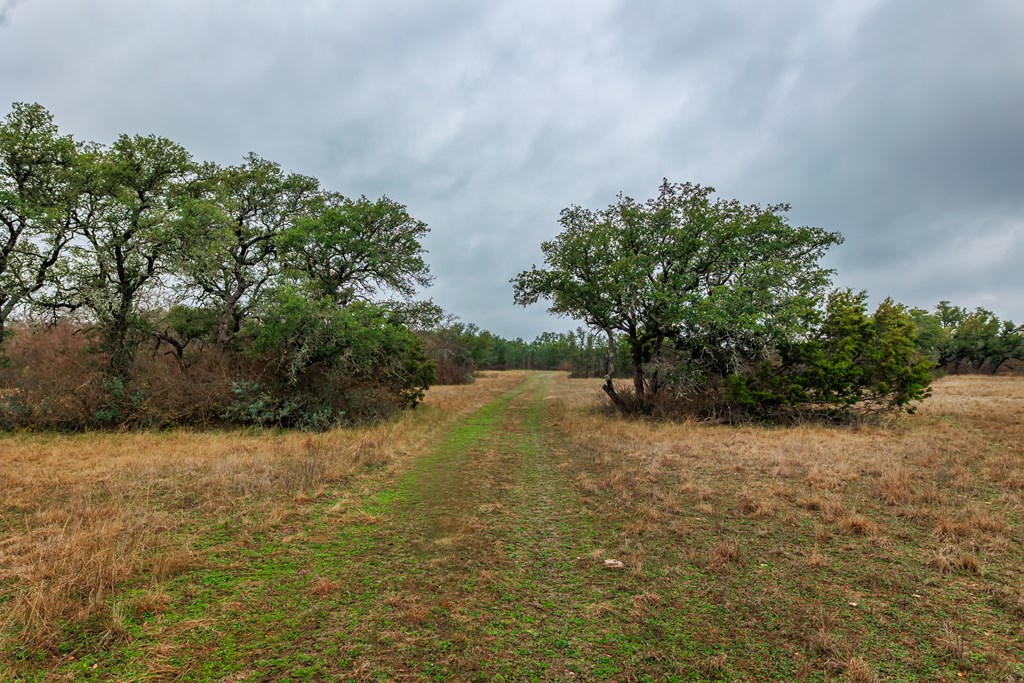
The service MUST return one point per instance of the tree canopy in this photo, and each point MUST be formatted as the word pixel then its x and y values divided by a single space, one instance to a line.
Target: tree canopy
pixel 716 281
pixel 39 185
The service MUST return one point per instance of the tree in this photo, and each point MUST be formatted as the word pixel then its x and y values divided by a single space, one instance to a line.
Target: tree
pixel 129 227
pixel 38 186
pixel 320 362
pixel 983 341
pixel 235 222
pixel 353 249
pixel 714 281
pixel 932 338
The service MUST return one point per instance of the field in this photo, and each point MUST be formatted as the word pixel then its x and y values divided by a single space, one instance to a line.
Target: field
pixel 480 537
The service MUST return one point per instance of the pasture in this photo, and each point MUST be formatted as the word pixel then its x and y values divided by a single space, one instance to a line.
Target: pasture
pixel 468 540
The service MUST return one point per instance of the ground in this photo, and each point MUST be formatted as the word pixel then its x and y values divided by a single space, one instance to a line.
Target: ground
pixel 471 540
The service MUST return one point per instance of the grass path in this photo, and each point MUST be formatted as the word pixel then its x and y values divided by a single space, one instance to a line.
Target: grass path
pixel 479 563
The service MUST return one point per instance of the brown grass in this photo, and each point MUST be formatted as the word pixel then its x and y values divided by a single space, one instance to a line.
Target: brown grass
pixel 931 503
pixel 82 514
pixel 859 671
pixel 724 552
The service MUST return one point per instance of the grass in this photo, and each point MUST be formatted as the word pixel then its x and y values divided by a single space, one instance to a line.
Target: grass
pixel 835 552
pixel 468 540
pixel 88 519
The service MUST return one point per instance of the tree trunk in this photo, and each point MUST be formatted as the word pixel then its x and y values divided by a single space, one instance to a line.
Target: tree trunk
pixel 609 385
pixel 639 379
pixel 226 325
pixel 120 355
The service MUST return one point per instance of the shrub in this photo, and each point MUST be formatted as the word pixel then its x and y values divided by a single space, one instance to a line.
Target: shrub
pixel 853 364
pixel 324 364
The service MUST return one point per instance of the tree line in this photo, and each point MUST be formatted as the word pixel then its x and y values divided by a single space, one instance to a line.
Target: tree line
pixel 459 349
pixel 961 341
pixel 153 288
pixel 139 286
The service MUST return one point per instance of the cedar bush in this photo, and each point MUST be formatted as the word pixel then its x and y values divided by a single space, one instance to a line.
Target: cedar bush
pixel 853 364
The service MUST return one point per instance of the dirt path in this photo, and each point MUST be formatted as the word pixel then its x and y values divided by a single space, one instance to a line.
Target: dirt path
pixel 479 563
pixel 489 568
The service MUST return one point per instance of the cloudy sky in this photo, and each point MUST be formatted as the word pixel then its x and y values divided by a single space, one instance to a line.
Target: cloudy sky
pixel 899 123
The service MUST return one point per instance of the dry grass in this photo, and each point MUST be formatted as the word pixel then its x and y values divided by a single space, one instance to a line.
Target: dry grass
pixel 928 503
pixel 723 553
pixel 83 514
pixel 835 544
pixel 859 671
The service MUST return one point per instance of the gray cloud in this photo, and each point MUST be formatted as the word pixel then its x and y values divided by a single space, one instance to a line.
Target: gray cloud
pixel 6 8
pixel 893 122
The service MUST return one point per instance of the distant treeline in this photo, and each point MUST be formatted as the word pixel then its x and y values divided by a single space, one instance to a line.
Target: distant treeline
pixel 962 341
pixel 458 349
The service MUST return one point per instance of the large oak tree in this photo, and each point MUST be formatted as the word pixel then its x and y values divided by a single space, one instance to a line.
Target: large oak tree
pixel 715 280
pixel 129 234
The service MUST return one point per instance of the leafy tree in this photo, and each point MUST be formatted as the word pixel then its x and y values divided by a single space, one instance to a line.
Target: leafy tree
pixel 983 340
pixel 355 249
pixel 950 317
pixel 182 325
pixel 234 223
pixel 128 222
pixel 38 185
pixel 931 337
pixel 715 280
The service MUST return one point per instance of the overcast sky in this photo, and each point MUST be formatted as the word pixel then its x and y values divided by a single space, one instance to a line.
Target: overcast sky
pixel 899 123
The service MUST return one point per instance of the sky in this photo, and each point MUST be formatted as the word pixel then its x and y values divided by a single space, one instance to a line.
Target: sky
pixel 898 123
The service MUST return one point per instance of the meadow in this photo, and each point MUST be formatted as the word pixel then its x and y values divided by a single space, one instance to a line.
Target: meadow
pixel 469 539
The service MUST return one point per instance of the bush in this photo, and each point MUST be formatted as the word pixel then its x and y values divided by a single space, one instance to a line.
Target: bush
pixel 303 364
pixel 854 364
pixel 325 365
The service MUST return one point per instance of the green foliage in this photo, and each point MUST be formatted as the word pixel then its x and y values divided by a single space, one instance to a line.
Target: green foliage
pixel 853 363
pixel 121 404
pixel 715 282
pixel 129 232
pixel 189 324
pixel 231 223
pixel 352 249
pixel 257 405
pixel 38 187
pixel 973 341
pixel 322 359
pixel 930 336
